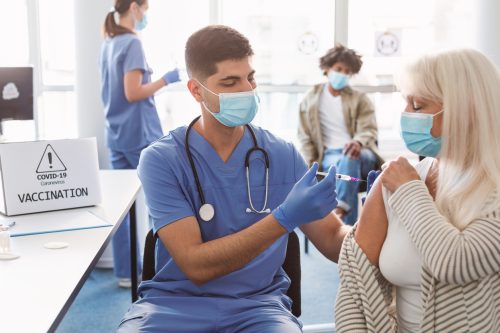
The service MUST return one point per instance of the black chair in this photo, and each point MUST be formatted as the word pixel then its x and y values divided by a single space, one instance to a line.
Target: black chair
pixel 291 266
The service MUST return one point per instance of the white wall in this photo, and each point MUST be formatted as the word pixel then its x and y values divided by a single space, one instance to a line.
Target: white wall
pixel 89 18
pixel 88 39
pixel 488 28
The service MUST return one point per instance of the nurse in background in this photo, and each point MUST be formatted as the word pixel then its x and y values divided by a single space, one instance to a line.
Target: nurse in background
pixel 132 121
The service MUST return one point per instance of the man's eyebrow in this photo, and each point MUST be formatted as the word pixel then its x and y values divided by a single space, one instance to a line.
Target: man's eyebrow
pixel 235 77
pixel 230 77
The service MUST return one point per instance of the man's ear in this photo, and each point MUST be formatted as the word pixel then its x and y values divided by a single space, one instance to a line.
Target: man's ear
pixel 195 90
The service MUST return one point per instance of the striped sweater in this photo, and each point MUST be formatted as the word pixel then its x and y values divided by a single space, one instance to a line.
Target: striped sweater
pixel 460 279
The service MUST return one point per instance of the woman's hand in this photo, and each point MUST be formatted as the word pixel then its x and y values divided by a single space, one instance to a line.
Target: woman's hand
pixel 396 173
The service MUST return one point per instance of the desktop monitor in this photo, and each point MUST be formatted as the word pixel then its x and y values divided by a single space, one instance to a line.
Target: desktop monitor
pixel 16 89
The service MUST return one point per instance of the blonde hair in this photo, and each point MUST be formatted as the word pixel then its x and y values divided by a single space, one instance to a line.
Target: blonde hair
pixel 467 84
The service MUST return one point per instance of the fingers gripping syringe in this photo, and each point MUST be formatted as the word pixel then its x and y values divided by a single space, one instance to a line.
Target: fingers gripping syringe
pixel 341 176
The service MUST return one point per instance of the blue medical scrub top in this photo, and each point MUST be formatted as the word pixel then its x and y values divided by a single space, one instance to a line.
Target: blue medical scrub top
pixel 129 126
pixel 171 195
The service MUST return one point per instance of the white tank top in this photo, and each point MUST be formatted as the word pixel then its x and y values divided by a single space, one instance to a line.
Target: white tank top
pixel 401 264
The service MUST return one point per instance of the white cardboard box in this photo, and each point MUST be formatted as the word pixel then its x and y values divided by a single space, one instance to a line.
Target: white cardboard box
pixel 40 176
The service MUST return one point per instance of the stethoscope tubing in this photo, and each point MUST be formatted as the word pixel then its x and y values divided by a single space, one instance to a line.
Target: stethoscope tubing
pixel 204 204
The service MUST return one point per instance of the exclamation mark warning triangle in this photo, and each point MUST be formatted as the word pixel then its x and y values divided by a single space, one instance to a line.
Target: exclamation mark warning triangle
pixel 50 161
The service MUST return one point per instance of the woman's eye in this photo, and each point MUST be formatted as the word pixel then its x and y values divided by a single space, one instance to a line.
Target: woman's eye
pixel 416 107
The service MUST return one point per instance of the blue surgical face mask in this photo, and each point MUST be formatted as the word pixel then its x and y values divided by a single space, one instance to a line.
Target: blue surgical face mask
pixel 337 80
pixel 141 24
pixel 416 133
pixel 235 109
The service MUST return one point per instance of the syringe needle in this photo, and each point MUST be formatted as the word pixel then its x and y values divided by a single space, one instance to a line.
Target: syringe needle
pixel 341 176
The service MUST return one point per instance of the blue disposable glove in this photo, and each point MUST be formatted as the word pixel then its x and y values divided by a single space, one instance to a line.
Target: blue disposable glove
pixel 171 76
pixel 308 200
pixel 372 176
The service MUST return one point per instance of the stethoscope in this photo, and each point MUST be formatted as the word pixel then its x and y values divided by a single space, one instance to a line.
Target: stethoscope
pixel 207 211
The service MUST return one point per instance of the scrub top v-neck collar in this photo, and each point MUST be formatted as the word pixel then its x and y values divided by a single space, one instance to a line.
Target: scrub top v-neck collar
pixel 237 158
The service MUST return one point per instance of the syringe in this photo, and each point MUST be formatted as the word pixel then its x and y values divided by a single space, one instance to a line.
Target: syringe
pixel 341 176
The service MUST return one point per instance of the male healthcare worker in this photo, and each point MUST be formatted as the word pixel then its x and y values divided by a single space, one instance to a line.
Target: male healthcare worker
pixel 219 269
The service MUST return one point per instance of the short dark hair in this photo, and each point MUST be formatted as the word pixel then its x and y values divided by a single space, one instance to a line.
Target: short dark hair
pixel 213 44
pixel 340 53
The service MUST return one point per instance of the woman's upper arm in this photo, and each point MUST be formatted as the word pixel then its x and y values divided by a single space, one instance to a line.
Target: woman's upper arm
pixel 132 82
pixel 372 224
pixel 134 66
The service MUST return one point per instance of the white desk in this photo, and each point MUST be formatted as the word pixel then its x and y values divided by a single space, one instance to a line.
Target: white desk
pixel 37 289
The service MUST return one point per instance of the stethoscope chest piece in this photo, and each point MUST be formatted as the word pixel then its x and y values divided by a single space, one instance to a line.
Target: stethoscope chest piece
pixel 207 212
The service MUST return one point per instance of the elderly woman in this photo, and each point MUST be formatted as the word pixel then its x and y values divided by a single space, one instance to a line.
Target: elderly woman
pixel 425 254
